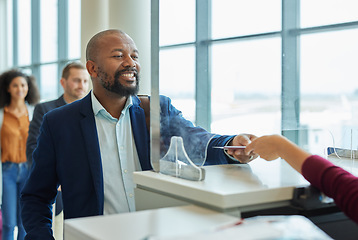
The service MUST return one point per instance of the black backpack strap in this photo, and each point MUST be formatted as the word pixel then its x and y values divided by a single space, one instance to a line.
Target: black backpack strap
pixel 145 104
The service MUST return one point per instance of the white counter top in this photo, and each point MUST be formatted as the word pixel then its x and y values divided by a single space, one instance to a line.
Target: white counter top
pixel 164 222
pixel 229 186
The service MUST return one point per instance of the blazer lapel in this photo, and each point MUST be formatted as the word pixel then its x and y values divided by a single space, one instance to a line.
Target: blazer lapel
pixel 89 131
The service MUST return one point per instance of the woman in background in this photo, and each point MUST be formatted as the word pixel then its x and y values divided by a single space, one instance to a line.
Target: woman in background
pixel 332 180
pixel 18 94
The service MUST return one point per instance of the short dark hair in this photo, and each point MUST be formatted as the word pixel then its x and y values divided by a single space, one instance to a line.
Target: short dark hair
pixel 67 68
pixel 33 95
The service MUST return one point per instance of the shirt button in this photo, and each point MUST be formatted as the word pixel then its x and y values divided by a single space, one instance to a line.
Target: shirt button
pixel 125 171
pixel 121 147
pixel 130 195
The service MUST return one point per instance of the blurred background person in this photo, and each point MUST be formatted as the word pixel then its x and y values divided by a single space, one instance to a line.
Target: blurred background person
pixel 75 82
pixel 18 94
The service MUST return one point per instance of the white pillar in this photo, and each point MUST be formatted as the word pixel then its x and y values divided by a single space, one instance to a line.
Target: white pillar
pixel 4 36
pixel 133 17
pixel 94 18
pixel 130 16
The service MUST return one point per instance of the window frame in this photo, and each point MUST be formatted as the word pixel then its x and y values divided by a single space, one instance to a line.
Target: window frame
pixel 290 54
pixel 62 39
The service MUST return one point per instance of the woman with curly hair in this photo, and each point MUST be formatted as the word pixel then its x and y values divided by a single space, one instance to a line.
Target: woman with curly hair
pixel 18 95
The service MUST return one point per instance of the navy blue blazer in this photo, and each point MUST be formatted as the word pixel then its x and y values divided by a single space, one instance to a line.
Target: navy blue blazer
pixel 68 154
pixel 34 129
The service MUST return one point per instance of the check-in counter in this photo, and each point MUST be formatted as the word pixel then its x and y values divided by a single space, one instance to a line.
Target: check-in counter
pixel 190 223
pixel 142 225
pixel 232 189
pixel 247 190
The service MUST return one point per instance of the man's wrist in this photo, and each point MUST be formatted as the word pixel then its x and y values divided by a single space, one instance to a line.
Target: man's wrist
pixel 229 143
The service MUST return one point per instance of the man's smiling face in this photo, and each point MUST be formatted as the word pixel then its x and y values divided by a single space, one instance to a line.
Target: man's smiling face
pixel 118 65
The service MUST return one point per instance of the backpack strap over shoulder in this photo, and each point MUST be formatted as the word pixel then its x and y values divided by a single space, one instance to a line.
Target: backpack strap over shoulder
pixel 145 104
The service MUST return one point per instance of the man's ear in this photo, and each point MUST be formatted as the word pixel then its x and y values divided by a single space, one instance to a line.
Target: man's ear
pixel 62 81
pixel 91 68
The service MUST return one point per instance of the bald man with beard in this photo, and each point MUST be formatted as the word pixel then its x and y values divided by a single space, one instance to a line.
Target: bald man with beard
pixel 91 147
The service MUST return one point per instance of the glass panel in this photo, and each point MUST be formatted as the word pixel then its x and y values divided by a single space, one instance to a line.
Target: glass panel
pixel 246 87
pixel 74 29
pixel 177 80
pixel 329 12
pixel 234 18
pixel 49 82
pixel 48 30
pixel 313 140
pixel 176 21
pixel 329 86
pixel 349 139
pixel 24 32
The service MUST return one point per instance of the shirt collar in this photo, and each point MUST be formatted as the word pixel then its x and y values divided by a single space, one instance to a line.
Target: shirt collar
pixel 97 106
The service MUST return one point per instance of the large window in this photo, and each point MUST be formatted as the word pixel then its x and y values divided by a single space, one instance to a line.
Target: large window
pixel 270 66
pixel 246 86
pixel 45 36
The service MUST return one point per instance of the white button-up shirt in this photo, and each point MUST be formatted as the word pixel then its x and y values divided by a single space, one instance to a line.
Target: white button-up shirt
pixel 119 157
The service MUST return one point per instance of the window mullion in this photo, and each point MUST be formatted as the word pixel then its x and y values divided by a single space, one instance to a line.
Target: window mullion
pixel 36 40
pixel 203 80
pixel 290 98
pixel 62 39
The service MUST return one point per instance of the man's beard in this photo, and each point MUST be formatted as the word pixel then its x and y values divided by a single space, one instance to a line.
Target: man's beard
pixel 116 86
